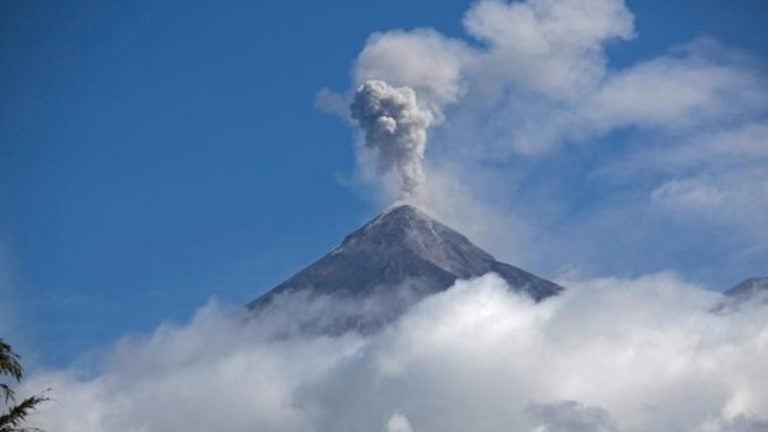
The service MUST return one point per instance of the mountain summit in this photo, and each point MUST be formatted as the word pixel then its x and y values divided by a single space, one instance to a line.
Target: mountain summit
pixel 401 249
pixel 750 289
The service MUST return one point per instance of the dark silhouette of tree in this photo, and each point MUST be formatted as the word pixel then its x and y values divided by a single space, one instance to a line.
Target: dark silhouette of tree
pixel 14 415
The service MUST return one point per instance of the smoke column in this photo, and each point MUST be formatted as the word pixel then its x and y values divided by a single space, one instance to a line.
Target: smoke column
pixel 395 125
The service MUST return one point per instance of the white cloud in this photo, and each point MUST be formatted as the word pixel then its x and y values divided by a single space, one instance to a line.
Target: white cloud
pixel 726 149
pixel 423 60
pixel 608 355
pixel 331 102
pixel 552 47
pixel 399 423
pixel 690 87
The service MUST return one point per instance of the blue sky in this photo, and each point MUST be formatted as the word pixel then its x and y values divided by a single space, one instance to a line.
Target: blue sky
pixel 156 155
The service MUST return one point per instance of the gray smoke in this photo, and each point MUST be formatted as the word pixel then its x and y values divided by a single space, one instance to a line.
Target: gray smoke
pixel 396 127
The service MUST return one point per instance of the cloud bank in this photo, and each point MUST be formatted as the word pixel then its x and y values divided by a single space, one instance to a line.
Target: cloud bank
pixel 607 355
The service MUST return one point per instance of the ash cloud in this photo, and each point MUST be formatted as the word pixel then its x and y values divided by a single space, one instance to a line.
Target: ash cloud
pixel 608 355
pixel 395 127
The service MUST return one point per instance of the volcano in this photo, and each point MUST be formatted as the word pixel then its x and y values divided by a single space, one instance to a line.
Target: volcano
pixel 749 290
pixel 396 259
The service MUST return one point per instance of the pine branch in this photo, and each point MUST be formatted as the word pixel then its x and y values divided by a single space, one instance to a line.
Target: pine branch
pixel 9 361
pixel 8 392
pixel 16 415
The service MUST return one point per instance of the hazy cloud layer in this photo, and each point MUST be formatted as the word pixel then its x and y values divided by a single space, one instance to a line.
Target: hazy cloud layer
pixel 608 355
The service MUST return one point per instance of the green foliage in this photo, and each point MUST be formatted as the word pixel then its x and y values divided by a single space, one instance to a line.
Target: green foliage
pixel 14 415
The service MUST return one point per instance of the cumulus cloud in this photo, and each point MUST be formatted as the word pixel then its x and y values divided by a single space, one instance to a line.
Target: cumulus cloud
pixel 423 60
pixel 395 126
pixel 555 48
pixel 607 355
pixel 399 423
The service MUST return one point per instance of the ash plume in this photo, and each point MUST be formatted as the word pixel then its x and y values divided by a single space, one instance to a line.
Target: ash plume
pixel 396 127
